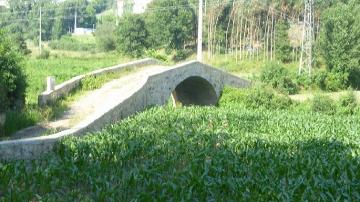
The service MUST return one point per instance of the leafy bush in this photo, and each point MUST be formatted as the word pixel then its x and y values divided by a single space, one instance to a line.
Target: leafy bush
pixel 336 81
pixel 20 43
pixel 279 78
pixel 319 79
pixel 12 77
pixel 347 103
pixel 105 36
pixel 156 55
pixel 181 55
pixel 255 98
pixel 323 104
pixel 330 81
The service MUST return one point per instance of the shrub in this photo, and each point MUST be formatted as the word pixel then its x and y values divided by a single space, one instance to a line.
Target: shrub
pixel 181 55
pixel 105 36
pixel 255 98
pixel 323 104
pixel 12 77
pixel 335 81
pixel 319 79
pixel 347 103
pixel 330 81
pixel 156 54
pixel 279 78
pixel 20 43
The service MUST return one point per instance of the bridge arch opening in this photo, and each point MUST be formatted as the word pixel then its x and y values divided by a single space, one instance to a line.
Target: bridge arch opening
pixel 194 91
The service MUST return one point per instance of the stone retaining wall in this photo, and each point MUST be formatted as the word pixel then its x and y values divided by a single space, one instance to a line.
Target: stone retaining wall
pixel 61 90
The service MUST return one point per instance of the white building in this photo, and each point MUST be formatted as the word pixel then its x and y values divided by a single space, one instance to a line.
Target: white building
pixel 132 6
pixel 83 31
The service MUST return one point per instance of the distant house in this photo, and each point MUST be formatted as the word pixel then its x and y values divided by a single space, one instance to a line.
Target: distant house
pixel 131 6
pixel 4 3
pixel 83 31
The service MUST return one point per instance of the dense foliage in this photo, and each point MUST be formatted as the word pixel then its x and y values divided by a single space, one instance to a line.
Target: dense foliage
pixel 12 77
pixel 226 153
pixel 132 37
pixel 340 41
pixel 173 27
pixel 279 77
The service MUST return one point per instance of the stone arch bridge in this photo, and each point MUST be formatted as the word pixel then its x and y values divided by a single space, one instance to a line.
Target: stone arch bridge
pixel 190 83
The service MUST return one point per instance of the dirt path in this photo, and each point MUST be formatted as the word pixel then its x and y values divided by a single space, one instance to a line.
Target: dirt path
pixel 94 103
pixel 334 95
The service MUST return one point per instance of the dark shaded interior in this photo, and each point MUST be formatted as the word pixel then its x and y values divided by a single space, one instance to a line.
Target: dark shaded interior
pixel 195 91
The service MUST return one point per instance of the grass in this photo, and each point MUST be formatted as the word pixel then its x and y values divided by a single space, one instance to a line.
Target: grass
pixel 199 154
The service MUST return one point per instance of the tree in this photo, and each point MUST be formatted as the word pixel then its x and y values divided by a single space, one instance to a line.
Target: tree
pixel 12 77
pixel 173 27
pixel 283 49
pixel 132 35
pixel 105 35
pixel 340 40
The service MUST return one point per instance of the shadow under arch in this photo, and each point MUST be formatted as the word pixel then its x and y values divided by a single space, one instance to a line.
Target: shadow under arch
pixel 195 91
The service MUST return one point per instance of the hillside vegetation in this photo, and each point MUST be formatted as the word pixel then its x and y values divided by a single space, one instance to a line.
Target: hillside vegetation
pixel 231 152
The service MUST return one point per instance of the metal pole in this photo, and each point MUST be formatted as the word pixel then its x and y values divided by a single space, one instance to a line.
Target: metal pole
pixel 75 23
pixel 116 12
pixel 200 32
pixel 40 48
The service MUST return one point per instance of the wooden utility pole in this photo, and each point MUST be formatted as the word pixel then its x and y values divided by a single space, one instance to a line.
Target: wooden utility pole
pixel 40 48
pixel 200 32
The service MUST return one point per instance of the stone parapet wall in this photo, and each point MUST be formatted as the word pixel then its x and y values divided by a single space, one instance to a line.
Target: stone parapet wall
pixel 63 89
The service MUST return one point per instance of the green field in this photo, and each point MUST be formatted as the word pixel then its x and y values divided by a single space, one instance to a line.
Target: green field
pixel 225 153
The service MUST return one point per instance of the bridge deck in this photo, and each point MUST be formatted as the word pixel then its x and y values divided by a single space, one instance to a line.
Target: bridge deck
pixel 95 103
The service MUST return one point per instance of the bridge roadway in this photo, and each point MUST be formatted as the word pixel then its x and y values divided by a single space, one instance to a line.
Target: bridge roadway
pixel 188 83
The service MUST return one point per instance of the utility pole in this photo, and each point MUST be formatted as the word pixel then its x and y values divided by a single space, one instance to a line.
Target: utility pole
pixel 75 23
pixel 116 12
pixel 40 48
pixel 307 40
pixel 200 32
